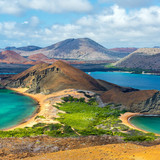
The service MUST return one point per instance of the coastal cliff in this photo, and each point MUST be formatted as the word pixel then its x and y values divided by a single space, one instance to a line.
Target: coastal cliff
pixel 144 101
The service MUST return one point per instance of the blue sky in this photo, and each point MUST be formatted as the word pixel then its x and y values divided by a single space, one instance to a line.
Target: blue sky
pixel 112 23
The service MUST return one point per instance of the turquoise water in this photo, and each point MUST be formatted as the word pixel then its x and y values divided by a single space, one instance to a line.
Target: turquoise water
pixel 138 81
pixel 147 123
pixel 14 108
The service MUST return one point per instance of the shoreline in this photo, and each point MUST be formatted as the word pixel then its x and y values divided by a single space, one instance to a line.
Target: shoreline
pixel 31 118
pixel 45 107
pixel 125 120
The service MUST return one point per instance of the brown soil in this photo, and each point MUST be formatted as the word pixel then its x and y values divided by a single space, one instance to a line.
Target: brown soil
pixel 19 148
pixel 107 152
pixel 127 98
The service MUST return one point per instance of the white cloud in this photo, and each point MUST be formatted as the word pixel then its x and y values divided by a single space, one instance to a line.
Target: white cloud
pixel 16 7
pixel 10 7
pixel 58 6
pixel 113 27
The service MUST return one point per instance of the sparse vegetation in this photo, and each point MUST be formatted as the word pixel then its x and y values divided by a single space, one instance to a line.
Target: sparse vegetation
pixel 83 118
pixel 88 119
pixel 54 130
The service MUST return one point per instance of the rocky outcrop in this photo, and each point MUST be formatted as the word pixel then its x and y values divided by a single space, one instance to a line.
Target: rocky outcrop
pixel 145 101
pixel 144 58
pixel 151 105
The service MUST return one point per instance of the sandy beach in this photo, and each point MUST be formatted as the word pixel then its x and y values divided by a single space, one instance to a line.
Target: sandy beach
pixel 46 106
pixel 125 120
pixel 41 110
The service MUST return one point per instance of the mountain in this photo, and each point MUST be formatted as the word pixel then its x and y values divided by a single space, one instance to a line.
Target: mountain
pixel 11 57
pixel 58 76
pixel 26 48
pixel 81 49
pixel 50 78
pixel 41 57
pixel 122 52
pixel 10 48
pixel 144 58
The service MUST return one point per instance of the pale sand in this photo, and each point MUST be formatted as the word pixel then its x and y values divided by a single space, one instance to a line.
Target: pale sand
pixel 125 119
pixel 46 108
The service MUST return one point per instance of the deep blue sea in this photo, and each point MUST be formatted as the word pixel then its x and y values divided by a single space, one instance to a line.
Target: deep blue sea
pixel 138 81
pixel 14 108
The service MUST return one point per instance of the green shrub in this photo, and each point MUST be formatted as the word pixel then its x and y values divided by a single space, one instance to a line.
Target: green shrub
pixel 42 117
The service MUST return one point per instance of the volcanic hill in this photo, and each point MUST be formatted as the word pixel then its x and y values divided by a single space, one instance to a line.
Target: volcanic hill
pixel 58 76
pixel 11 57
pixel 25 48
pixel 41 57
pixel 77 49
pixel 144 58
pixel 122 52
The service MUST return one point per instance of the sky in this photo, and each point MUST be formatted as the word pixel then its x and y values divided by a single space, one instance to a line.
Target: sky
pixel 112 23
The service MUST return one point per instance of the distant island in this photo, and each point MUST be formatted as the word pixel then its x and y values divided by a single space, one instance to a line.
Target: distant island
pixel 87 55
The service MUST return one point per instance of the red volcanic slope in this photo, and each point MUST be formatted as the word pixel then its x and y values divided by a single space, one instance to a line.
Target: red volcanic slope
pixel 38 57
pixel 125 50
pixel 41 57
pixel 11 57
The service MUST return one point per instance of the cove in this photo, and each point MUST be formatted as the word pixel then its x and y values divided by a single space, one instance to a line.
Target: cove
pixel 148 123
pixel 15 108
pixel 138 81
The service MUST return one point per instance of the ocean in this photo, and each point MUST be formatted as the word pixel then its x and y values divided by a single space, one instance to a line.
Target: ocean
pixel 14 108
pixel 138 81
